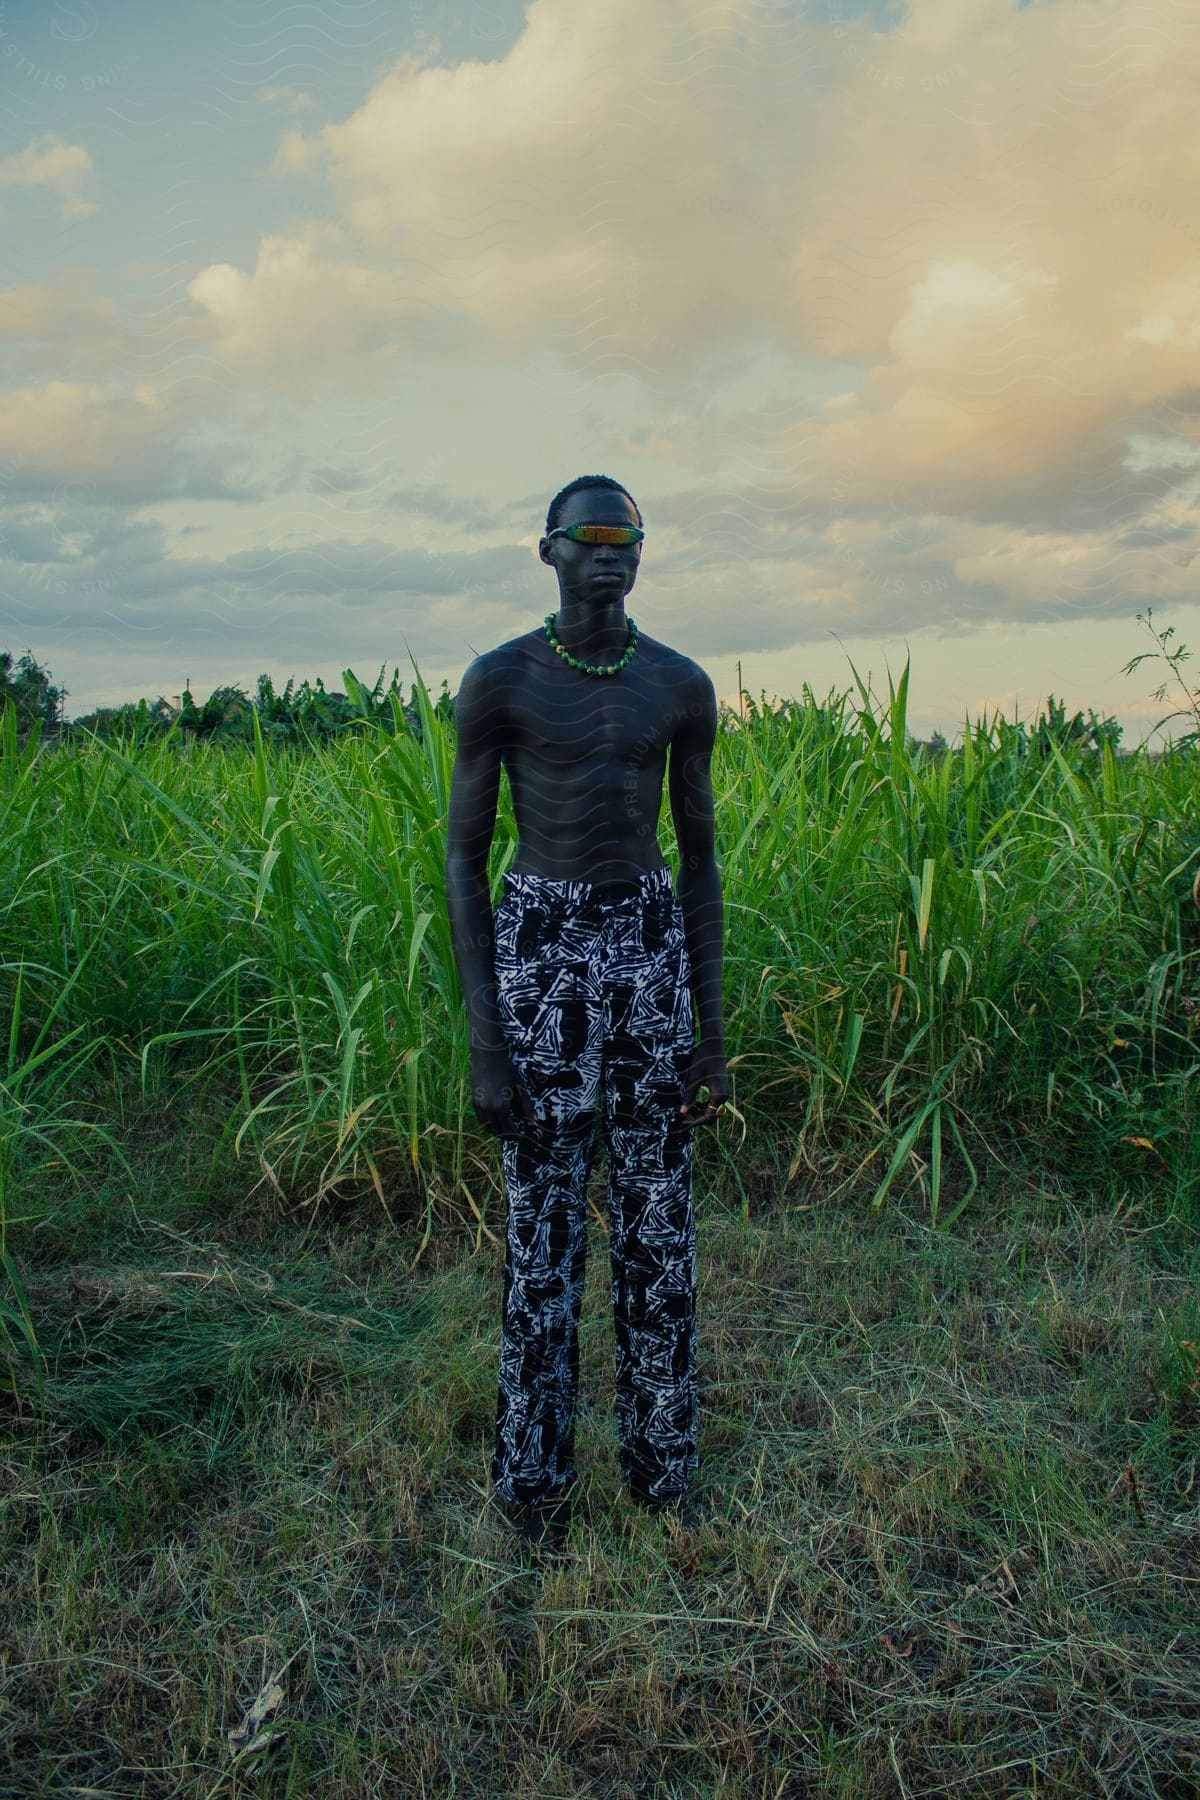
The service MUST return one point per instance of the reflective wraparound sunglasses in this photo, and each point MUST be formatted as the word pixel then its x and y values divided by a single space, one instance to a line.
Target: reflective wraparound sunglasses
pixel 599 534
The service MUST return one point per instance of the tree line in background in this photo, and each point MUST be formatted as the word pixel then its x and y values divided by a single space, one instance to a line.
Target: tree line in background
pixel 301 712
pixel 306 711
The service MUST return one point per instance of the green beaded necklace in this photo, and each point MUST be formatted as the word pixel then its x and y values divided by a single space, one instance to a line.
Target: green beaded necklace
pixel 592 668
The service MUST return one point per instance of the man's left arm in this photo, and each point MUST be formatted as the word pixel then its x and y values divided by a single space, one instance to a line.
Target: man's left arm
pixel 699 888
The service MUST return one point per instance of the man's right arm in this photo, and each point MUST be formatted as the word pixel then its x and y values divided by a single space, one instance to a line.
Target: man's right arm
pixel 474 789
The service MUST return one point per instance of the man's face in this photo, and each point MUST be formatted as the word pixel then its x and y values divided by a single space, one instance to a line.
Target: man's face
pixel 595 573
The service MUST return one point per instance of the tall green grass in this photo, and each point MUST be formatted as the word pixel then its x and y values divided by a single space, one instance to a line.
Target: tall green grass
pixel 933 963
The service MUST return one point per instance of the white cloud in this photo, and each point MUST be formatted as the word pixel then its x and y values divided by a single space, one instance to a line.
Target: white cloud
pixel 951 203
pixel 306 309
pixel 1177 318
pixel 111 443
pixel 1003 231
pixel 573 187
pixel 1146 452
pixel 49 162
pixel 295 154
pixel 63 323
pixel 299 99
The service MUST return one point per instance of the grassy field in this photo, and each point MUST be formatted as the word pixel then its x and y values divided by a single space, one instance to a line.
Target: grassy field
pixel 953 1546
pixel 932 962
pixel 949 1325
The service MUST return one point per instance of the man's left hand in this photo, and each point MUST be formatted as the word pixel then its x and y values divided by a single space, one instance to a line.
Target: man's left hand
pixel 705 1069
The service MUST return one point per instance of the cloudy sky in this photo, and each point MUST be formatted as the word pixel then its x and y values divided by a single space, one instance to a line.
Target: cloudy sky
pixel 888 315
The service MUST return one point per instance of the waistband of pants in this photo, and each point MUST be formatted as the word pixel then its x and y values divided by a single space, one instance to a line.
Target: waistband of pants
pixel 576 894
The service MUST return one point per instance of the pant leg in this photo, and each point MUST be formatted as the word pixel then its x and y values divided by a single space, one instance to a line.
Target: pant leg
pixel 544 1265
pixel 552 1022
pixel 649 1037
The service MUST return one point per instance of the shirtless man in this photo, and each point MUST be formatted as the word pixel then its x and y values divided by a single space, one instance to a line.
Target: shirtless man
pixel 587 983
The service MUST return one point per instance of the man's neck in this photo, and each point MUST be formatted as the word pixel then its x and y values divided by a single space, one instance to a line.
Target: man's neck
pixel 591 633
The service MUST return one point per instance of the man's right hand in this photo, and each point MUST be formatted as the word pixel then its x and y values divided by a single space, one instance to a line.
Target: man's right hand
pixel 498 1094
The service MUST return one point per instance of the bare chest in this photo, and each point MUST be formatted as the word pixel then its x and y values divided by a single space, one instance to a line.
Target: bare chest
pixel 562 717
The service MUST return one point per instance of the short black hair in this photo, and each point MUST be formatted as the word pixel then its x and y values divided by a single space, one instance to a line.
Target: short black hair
pixel 554 511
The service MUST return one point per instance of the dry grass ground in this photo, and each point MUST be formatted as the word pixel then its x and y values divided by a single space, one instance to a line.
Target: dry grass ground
pixel 953 1545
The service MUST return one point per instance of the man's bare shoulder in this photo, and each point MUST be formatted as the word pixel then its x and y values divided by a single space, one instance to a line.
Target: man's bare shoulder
pixel 490 675
pixel 673 663
pixel 501 663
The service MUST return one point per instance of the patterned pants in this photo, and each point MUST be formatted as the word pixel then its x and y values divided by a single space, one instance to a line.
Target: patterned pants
pixel 594 995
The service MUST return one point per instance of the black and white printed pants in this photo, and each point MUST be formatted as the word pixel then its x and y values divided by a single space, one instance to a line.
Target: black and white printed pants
pixel 593 986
